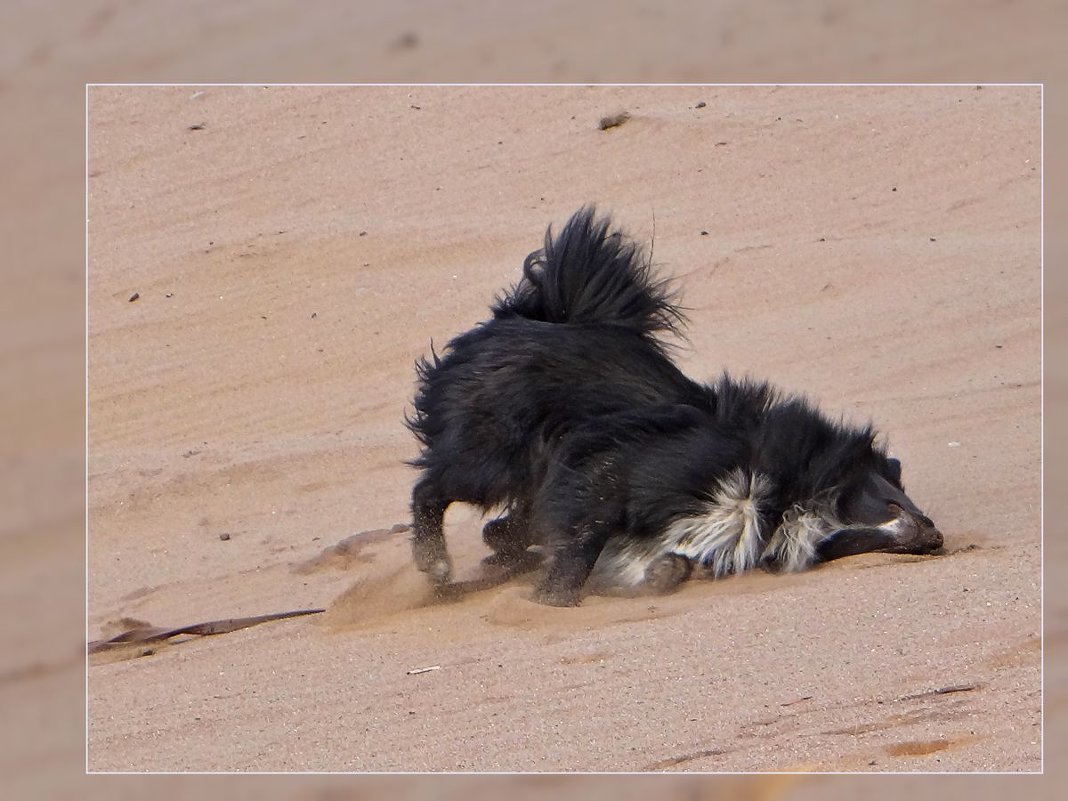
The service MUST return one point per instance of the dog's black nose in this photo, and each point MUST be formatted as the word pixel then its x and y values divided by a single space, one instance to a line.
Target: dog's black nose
pixel 917 532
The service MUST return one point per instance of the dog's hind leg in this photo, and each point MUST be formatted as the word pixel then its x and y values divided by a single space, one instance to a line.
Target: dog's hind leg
pixel 428 535
pixel 509 536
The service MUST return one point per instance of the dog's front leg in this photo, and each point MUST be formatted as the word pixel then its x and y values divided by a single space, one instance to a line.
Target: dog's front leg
pixel 571 558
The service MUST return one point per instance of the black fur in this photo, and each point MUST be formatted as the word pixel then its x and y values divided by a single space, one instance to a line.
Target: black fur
pixel 566 409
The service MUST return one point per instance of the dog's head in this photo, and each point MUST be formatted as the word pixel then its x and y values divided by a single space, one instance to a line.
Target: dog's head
pixel 838 475
pixel 875 498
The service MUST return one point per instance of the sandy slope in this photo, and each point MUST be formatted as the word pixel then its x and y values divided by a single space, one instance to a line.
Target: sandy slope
pixel 295 251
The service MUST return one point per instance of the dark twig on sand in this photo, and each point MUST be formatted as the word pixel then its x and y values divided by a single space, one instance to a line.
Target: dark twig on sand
pixel 146 634
pixel 952 688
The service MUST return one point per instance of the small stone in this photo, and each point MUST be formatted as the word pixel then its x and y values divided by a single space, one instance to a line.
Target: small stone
pixel 134 297
pixel 224 536
pixel 406 41
pixel 613 121
pixel 702 104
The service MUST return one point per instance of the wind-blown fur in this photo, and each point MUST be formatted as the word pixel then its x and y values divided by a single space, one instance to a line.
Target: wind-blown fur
pixel 566 409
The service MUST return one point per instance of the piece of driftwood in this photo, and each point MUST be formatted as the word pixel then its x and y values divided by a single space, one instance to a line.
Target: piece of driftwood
pixel 148 634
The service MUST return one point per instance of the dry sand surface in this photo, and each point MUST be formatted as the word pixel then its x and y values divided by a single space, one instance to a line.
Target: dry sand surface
pixel 293 251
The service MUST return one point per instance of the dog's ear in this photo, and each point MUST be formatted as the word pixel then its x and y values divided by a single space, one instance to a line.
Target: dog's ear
pixel 534 267
pixel 895 470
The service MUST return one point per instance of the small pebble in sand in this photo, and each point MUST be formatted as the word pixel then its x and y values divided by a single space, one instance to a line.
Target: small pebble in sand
pixel 406 41
pixel 224 536
pixel 134 297
pixel 613 121
pixel 954 444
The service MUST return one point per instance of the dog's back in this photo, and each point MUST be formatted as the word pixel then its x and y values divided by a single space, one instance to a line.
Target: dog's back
pixel 576 338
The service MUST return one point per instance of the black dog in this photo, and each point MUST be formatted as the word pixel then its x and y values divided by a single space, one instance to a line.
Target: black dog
pixel 566 409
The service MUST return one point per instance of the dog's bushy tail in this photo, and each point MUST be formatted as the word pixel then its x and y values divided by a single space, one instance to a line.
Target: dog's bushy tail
pixel 590 273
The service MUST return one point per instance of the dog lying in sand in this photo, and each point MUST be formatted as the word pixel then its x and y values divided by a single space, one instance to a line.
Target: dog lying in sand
pixel 625 475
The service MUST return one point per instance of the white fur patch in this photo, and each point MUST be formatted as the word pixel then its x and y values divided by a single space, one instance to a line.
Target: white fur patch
pixel 727 537
pixel 793 545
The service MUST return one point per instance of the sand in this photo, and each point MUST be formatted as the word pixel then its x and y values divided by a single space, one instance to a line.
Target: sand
pixel 293 251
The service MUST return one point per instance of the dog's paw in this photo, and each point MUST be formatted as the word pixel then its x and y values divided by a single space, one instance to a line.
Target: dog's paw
pixel 666 574
pixel 431 558
pixel 440 572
